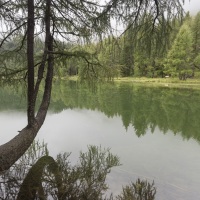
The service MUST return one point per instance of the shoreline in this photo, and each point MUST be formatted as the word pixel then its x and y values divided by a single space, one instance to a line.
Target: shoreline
pixel 159 82
pixel 163 82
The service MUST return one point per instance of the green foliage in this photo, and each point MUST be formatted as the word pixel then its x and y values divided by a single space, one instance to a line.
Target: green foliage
pixel 196 33
pixel 195 27
pixel 38 175
pixel 146 24
pixel 127 59
pixel 87 179
pixel 13 59
pixel 141 190
pixel 197 61
pixel 109 57
pixel 178 61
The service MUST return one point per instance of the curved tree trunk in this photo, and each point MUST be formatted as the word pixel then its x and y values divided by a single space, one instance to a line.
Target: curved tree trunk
pixel 15 148
pixel 33 183
pixel 11 151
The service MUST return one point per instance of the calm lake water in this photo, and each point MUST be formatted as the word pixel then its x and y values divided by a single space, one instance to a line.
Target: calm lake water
pixel 154 131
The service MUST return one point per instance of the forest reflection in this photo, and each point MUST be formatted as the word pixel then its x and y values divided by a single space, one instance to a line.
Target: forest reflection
pixel 138 106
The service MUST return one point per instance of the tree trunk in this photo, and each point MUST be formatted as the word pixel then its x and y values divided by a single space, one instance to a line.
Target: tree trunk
pixel 11 151
pixel 33 180
pixel 30 61
pixel 15 148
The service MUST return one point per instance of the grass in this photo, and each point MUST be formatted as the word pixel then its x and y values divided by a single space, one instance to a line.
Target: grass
pixel 165 82
pixel 193 83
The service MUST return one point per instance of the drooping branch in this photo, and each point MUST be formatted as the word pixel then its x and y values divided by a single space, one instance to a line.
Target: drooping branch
pixel 11 33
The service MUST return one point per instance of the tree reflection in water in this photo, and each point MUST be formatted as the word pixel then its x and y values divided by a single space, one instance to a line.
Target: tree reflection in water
pixel 36 175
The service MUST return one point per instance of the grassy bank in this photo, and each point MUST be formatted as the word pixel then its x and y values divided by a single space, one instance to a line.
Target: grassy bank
pixel 165 82
pixel 160 82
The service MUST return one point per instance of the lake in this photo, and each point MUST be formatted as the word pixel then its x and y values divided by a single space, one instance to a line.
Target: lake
pixel 154 131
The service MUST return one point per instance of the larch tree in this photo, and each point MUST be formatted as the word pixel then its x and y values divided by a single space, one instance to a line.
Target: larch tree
pixel 74 21
pixel 128 45
pixel 196 40
pixel 178 61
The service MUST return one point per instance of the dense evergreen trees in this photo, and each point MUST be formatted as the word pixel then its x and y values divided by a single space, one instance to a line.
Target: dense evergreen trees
pixel 152 54
pixel 196 40
pixel 138 52
pixel 179 57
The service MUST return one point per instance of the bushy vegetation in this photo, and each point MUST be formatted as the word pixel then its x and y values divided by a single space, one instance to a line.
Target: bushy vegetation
pixel 39 176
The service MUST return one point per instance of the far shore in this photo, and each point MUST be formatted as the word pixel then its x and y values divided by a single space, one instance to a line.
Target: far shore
pixel 193 83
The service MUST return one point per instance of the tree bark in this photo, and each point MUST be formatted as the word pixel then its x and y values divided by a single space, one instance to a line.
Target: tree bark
pixel 15 148
pixel 11 151
pixel 30 61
